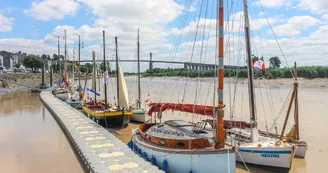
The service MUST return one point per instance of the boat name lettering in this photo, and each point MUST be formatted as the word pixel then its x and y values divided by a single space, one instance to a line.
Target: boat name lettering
pixel 270 155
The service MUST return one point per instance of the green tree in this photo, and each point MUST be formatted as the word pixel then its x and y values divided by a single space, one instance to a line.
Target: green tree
pixel 255 58
pixel 17 65
pixel 274 62
pixel 48 57
pixel 32 61
pixel 54 57
pixel 44 56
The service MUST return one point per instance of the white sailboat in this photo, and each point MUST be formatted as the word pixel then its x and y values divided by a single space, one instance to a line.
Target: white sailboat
pixel 139 114
pixel 251 147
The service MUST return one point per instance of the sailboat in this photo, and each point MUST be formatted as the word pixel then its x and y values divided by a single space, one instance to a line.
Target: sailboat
pixel 62 93
pixel 293 137
pixel 177 146
pixel 139 114
pixel 251 147
pixel 110 115
pixel 73 97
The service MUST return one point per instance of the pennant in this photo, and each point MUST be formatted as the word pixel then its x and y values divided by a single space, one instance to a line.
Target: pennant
pixel 259 64
pixel 106 77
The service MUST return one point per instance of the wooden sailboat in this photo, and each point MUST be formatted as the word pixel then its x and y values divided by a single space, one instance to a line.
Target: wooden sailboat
pixel 62 93
pixel 293 136
pixel 73 97
pixel 139 114
pixel 179 146
pixel 102 112
pixel 251 147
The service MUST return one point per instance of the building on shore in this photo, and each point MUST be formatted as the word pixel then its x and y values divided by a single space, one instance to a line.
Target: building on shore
pixel 7 59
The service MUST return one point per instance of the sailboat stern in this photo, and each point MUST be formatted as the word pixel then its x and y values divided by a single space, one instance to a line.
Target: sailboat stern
pixel 277 158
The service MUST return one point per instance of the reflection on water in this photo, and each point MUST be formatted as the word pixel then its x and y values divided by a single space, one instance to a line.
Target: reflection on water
pixel 30 139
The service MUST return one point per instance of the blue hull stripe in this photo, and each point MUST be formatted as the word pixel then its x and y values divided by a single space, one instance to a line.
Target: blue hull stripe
pixel 266 151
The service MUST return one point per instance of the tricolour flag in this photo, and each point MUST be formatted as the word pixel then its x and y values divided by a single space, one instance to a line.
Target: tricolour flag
pixel 259 64
pixel 151 110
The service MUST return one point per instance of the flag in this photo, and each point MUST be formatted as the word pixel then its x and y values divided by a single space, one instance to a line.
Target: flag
pixel 106 77
pixel 151 110
pixel 148 99
pixel 91 90
pixel 259 64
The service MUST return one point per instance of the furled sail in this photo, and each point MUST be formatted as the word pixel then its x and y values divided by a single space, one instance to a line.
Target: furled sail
pixel 123 91
pixel 191 108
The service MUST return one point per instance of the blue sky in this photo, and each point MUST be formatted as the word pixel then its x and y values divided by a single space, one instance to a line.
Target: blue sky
pixel 32 26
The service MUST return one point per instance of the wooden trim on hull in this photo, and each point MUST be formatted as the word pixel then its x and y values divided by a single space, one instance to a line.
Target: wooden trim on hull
pixel 138 139
pixel 173 143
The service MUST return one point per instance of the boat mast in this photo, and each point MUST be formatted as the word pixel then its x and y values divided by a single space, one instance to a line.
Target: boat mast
pixel 117 80
pixel 94 75
pixel 219 135
pixel 105 85
pixel 296 103
pixel 254 131
pixel 65 57
pixel 139 88
pixel 60 73
pixel 79 72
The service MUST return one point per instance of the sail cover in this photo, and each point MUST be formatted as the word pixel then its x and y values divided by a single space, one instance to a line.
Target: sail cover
pixel 123 91
pixel 191 108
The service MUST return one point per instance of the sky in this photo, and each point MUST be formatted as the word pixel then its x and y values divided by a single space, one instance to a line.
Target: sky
pixel 176 30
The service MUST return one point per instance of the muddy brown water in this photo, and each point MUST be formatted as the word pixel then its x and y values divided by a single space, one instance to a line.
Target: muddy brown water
pixel 31 140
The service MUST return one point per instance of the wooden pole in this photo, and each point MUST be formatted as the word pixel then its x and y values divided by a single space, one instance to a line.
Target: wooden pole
pixel 288 112
pixel 219 135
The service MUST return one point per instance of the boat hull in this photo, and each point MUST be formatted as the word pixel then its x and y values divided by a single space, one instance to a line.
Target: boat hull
pixel 62 96
pixel 270 157
pixel 184 160
pixel 300 149
pixel 139 116
pixel 110 119
pixel 75 104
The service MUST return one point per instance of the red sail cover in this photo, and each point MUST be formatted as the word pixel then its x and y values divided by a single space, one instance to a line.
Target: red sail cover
pixel 191 108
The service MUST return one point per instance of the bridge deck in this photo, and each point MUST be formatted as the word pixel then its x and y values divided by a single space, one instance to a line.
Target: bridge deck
pixel 97 149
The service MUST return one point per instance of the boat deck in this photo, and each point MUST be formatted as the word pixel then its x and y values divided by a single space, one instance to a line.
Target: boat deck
pixel 97 149
pixel 177 129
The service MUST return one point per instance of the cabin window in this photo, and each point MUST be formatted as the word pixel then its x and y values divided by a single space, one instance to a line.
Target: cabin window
pixel 162 142
pixel 180 144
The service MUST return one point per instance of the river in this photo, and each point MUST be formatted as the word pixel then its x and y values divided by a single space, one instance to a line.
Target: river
pixel 31 140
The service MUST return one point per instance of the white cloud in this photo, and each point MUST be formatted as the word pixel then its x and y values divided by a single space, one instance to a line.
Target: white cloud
pixel 52 9
pixel 295 25
pixel 6 23
pixel 316 6
pixel 325 17
pixel 270 3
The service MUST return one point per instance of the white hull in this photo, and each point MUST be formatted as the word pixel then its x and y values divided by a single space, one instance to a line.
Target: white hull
pixel 263 153
pixel 265 156
pixel 140 117
pixel 300 150
pixel 184 161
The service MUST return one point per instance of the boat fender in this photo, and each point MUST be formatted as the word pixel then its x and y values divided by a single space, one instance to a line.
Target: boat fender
pixel 164 166
pixel 153 160
pixel 130 144
pixel 135 148
pixel 139 151
pixel 144 154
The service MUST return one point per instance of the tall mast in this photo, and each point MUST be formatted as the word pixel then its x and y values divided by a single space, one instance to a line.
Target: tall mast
pixel 79 72
pixel 65 56
pixel 117 80
pixel 105 85
pixel 60 74
pixel 219 135
pixel 254 131
pixel 296 104
pixel 139 88
pixel 94 75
